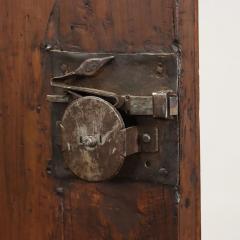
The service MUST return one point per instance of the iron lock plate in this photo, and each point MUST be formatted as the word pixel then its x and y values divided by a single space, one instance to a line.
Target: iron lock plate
pixel 134 76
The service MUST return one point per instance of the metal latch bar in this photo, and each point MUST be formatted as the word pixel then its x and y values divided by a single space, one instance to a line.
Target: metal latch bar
pixel 162 104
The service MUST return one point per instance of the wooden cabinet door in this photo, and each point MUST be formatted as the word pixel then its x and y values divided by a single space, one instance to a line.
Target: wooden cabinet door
pixel 34 204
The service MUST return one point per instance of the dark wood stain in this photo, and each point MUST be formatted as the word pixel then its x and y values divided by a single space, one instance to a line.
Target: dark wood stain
pixel 29 205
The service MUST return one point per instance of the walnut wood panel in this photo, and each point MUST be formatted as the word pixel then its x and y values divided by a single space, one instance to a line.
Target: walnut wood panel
pixel 119 26
pixel 119 211
pixel 30 206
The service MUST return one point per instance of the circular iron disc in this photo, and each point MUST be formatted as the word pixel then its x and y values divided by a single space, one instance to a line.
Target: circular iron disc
pixel 92 142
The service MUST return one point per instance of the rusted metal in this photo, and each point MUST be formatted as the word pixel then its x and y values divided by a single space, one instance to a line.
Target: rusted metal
pixel 136 87
pixel 58 98
pixel 128 74
pixel 90 64
pixel 138 105
pixel 94 139
pixel 116 100
pixel 87 68
pixel 92 142
pixel 131 144
pixel 159 105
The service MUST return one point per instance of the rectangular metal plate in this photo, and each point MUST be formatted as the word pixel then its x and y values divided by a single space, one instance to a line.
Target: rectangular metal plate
pixel 138 74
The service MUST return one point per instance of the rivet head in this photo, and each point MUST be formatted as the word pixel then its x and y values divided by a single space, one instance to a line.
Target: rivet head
pixel 48 47
pixel 60 190
pixel 160 68
pixel 146 138
pixel 49 171
pixel 163 171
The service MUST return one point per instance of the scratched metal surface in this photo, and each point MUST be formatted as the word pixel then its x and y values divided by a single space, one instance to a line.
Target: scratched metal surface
pixel 92 116
pixel 135 74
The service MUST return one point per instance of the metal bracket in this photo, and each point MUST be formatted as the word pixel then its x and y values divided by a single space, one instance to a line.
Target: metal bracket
pixel 162 104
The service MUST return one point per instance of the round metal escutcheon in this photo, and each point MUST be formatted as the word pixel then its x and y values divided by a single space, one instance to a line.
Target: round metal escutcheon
pixel 92 141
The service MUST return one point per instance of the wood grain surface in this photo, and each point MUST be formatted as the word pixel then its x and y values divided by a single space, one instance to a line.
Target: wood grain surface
pixel 189 209
pixel 36 206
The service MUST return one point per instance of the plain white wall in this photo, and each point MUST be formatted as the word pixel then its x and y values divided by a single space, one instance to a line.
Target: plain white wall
pixel 220 118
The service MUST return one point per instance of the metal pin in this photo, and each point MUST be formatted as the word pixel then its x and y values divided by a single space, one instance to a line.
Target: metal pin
pixel 48 47
pixel 163 171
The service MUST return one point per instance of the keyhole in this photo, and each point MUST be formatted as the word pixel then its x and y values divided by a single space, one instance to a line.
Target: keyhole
pixel 147 164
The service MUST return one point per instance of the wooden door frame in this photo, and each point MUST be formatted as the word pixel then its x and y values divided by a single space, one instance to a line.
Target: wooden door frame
pixel 189 211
